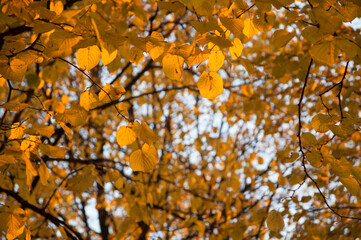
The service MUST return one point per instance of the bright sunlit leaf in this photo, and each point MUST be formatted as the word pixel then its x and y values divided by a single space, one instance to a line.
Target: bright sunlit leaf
pixel 109 53
pixel 236 49
pixel 216 60
pixel 16 224
pixel 249 29
pixel 87 58
pixel 17 131
pixel 210 85
pixel 173 66
pixel 125 136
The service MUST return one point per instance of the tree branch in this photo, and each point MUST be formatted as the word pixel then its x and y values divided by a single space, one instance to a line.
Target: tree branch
pixel 25 204
pixel 303 153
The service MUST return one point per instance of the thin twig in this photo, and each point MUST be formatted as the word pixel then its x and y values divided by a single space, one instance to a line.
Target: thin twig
pixel 97 85
pixel 340 84
pixel 304 155
pixel 59 185
pixel 246 10
pixel 340 90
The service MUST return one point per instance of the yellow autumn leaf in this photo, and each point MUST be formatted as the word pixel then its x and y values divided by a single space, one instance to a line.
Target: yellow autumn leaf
pixel 173 66
pixel 351 185
pixel 154 40
pixel 236 49
pixel 52 151
pixel 221 42
pixel 32 143
pixel 75 116
pixel 314 158
pixel 175 7
pixel 247 90
pixel 281 37
pixel 87 58
pixel 67 130
pixel 275 221
pixel 15 224
pixel 14 70
pixel 234 25
pixel 6 159
pixel 144 132
pixel 145 159
pixel 204 27
pixel 119 183
pixel 88 100
pixel 15 106
pixel 309 139
pixel 26 156
pixel 41 129
pixel 249 29
pixel 216 60
pixel 324 52
pixel 43 173
pixel 83 181
pixel 197 57
pixel 356 172
pixel 57 7
pixel 17 131
pixel 264 21
pixel 109 53
pixel 28 234
pixel 110 93
pixel 210 85
pixel 59 107
pixel 136 55
pixel 155 52
pixel 125 136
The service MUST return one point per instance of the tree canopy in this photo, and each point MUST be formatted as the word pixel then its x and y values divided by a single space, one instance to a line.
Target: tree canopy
pixel 180 119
